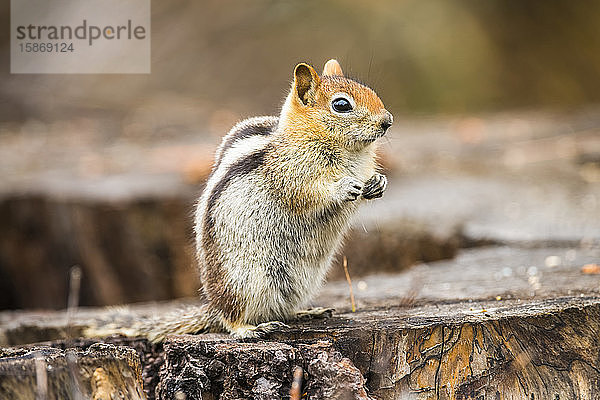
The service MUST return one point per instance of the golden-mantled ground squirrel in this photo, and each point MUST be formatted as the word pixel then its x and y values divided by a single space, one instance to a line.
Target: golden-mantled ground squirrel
pixel 277 204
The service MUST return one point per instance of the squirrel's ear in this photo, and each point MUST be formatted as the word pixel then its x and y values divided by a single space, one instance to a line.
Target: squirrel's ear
pixel 306 81
pixel 332 67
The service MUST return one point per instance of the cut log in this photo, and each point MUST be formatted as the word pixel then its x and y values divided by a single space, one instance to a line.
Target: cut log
pixel 537 349
pixel 103 371
pixel 501 332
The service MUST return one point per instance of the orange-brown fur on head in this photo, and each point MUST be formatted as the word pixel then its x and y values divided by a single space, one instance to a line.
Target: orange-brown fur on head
pixel 315 146
pixel 308 115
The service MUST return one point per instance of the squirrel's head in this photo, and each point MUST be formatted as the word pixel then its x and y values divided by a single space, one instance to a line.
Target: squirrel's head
pixel 333 108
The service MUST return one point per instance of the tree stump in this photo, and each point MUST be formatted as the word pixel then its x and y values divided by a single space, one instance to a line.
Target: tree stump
pixel 478 327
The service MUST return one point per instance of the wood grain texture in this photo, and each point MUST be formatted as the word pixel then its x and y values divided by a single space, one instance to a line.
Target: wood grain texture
pixel 103 371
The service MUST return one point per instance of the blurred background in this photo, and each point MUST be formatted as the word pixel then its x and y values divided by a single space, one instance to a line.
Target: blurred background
pixel 496 138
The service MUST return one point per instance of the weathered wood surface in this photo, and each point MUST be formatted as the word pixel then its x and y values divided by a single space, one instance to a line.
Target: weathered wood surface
pixel 499 350
pixel 101 372
pixel 227 369
pixel 483 326
pixel 128 250
pixel 533 349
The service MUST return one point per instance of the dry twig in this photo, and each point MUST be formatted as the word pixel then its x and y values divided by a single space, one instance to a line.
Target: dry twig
pixel 345 263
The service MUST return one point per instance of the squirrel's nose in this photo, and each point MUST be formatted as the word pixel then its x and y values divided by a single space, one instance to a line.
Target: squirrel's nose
pixel 387 120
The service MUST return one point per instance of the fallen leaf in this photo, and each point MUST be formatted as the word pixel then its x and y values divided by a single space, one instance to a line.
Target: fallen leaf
pixel 591 269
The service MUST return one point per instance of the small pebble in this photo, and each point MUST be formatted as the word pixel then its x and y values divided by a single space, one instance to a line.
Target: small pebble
pixel 362 286
pixel 552 261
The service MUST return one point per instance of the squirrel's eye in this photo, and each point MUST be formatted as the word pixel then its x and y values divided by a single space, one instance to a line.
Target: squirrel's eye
pixel 341 105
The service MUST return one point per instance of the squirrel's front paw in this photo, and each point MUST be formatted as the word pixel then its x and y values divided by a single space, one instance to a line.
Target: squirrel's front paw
pixel 375 186
pixel 349 188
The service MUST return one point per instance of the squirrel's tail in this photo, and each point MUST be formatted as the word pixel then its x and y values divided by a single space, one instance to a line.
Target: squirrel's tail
pixel 187 319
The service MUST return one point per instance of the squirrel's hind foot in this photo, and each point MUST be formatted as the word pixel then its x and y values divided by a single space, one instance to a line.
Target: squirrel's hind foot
pixel 257 331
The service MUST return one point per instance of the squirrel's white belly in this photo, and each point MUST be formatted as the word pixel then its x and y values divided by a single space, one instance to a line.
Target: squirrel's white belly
pixel 275 261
